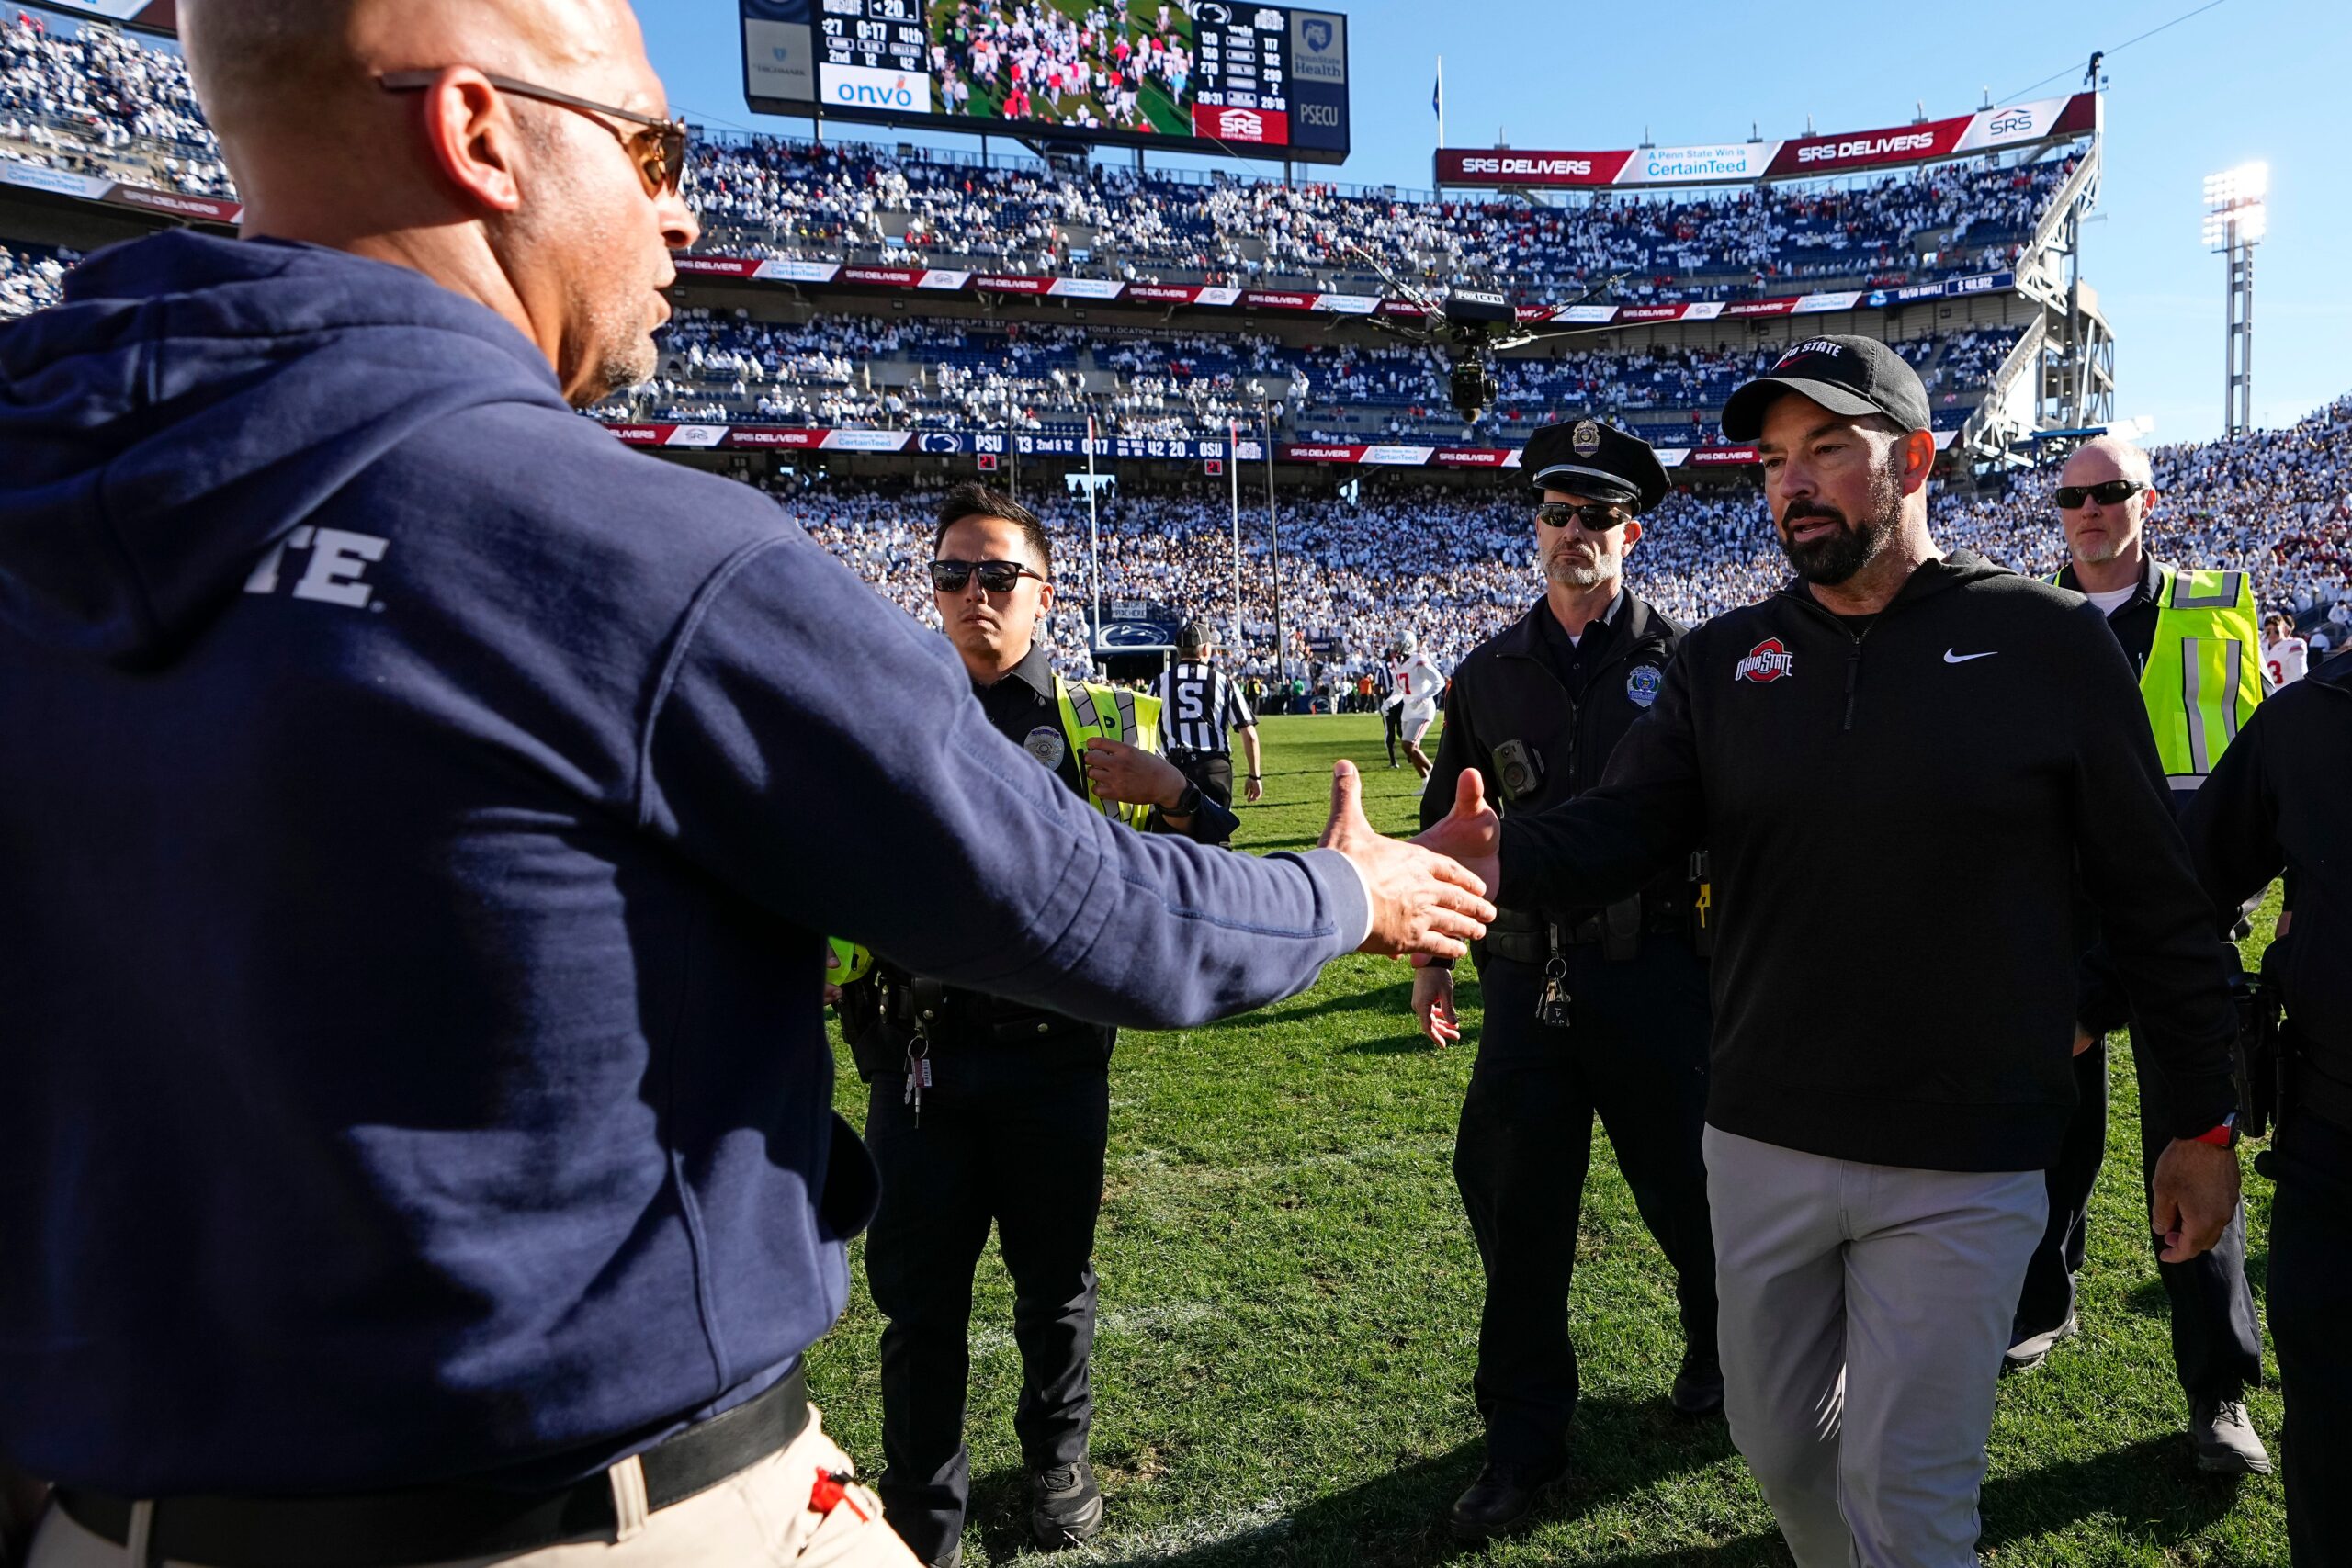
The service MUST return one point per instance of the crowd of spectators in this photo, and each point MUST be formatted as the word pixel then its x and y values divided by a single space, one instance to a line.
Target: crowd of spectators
pixel 954 374
pixel 1455 568
pixel 93 99
pixel 847 202
pixel 31 280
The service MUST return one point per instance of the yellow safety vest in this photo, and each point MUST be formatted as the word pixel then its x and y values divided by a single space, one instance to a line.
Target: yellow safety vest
pixel 1115 714
pixel 2204 677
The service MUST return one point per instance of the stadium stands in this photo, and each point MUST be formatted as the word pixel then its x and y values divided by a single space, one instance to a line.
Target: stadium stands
pixel 90 99
pixel 1455 569
pixel 769 197
pixel 87 98
pixel 31 279
pixel 898 373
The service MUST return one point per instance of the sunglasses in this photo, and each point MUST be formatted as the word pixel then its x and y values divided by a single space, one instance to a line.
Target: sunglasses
pixel 995 576
pixel 1596 518
pixel 2114 492
pixel 658 147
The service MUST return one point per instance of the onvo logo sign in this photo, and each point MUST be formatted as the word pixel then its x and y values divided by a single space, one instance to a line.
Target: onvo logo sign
pixel 862 87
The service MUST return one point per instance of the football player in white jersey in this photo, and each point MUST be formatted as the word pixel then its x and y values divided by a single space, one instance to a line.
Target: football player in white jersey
pixel 2286 657
pixel 1419 685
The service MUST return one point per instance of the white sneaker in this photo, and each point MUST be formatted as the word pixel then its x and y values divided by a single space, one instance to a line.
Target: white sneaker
pixel 2034 1350
pixel 2225 1439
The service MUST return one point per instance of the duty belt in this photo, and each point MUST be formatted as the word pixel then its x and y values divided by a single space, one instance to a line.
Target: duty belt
pixel 447 1523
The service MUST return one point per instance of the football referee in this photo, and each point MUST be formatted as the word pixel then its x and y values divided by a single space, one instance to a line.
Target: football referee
pixel 1198 707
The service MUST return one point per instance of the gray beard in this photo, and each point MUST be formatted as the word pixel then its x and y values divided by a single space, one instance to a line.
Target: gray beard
pixel 1577 575
pixel 2099 555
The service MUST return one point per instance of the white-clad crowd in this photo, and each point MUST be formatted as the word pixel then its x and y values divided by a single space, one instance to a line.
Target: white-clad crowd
pixel 1455 569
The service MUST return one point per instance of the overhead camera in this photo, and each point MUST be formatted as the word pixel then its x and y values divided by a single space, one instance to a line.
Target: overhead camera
pixel 1471 325
pixel 1474 389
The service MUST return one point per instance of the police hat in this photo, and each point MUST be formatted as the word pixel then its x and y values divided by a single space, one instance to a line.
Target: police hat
pixel 1852 376
pixel 1587 457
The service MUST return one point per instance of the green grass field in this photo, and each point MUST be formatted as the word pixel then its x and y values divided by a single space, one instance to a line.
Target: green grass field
pixel 1290 1302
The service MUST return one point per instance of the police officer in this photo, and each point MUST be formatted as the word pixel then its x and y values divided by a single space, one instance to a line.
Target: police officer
pixel 984 1111
pixel 1586 1010
pixel 2192 637
pixel 2275 803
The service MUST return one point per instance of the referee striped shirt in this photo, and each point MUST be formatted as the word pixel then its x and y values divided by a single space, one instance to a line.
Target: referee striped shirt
pixel 1198 705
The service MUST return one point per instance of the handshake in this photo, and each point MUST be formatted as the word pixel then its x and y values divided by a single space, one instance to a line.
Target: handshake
pixel 1428 895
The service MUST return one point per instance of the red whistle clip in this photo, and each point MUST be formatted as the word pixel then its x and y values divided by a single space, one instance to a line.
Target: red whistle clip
pixel 831 1491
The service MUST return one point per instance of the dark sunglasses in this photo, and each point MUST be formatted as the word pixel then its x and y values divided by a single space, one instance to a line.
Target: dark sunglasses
pixel 2114 492
pixel 1596 518
pixel 995 576
pixel 658 147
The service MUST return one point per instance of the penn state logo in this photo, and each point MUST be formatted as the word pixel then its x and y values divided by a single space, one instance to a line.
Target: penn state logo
pixel 1046 745
pixel 1643 684
pixel 1586 438
pixel 1765 662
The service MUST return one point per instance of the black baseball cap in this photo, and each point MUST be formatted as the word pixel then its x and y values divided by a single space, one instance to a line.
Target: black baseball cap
pixel 1585 457
pixel 1845 374
pixel 1196 634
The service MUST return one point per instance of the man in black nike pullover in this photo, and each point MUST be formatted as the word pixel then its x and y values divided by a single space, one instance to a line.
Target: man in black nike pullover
pixel 1898 763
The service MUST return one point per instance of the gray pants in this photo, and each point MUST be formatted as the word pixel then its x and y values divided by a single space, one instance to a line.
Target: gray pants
pixel 1865 1308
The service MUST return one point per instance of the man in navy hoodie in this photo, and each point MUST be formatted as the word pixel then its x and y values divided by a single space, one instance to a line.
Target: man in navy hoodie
pixel 420 815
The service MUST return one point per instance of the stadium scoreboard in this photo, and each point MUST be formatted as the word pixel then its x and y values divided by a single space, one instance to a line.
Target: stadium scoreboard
pixel 1204 75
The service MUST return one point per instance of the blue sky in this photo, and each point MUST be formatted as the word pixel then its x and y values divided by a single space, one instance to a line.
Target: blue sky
pixel 2247 79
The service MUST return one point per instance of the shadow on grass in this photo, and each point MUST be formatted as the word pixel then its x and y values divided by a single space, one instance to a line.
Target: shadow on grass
pixel 1620 1448
pixel 1398 1520
pixel 2152 1488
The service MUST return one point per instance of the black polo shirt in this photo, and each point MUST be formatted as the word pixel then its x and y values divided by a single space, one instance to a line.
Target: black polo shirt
pixel 1022 706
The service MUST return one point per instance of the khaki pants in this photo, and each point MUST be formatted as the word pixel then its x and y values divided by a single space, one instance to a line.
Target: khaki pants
pixel 759 1517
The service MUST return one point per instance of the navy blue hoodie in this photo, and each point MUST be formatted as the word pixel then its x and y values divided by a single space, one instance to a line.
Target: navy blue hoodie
pixel 418 817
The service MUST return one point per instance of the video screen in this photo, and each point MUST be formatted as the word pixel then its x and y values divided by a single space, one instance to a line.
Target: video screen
pixel 1193 75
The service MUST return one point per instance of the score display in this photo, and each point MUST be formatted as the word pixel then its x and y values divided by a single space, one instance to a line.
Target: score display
pixel 1263 81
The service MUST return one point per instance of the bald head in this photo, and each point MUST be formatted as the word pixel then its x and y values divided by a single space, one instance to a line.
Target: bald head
pixel 265 64
pixel 2105 458
pixel 540 209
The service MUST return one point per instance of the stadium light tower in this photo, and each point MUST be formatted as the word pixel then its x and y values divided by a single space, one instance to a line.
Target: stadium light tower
pixel 2237 215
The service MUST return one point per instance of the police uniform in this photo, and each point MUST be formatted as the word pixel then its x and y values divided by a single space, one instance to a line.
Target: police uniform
pixel 1586 1010
pixel 984 1111
pixel 2275 804
pixel 2193 638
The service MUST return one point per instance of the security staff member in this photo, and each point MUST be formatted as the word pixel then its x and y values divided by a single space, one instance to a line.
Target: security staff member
pixel 2275 803
pixel 1200 705
pixel 2191 637
pixel 1587 1008
pixel 985 1111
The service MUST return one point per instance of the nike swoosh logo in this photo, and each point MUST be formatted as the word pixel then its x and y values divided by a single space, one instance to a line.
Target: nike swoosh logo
pixel 1951 658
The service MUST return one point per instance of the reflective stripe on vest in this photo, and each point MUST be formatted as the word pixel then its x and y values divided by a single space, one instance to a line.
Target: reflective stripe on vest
pixel 1115 714
pixel 2203 677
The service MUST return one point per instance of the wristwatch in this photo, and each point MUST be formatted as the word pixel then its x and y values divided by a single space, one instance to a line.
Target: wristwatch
pixel 2224 1137
pixel 1187 804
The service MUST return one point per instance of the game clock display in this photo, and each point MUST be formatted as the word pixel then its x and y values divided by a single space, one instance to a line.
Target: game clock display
pixel 1263 81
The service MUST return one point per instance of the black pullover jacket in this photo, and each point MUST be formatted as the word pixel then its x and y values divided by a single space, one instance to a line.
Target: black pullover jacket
pixel 1897 811
pixel 2275 802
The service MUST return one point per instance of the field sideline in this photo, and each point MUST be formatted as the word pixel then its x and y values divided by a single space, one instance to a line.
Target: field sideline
pixel 1290 1302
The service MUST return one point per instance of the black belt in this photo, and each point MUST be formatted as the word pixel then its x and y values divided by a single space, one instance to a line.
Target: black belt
pixel 439 1524
pixel 1180 756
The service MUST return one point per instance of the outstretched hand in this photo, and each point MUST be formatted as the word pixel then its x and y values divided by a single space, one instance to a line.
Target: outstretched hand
pixel 1422 903
pixel 1471 834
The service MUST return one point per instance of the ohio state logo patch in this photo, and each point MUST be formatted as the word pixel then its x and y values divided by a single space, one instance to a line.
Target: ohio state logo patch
pixel 1767 661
